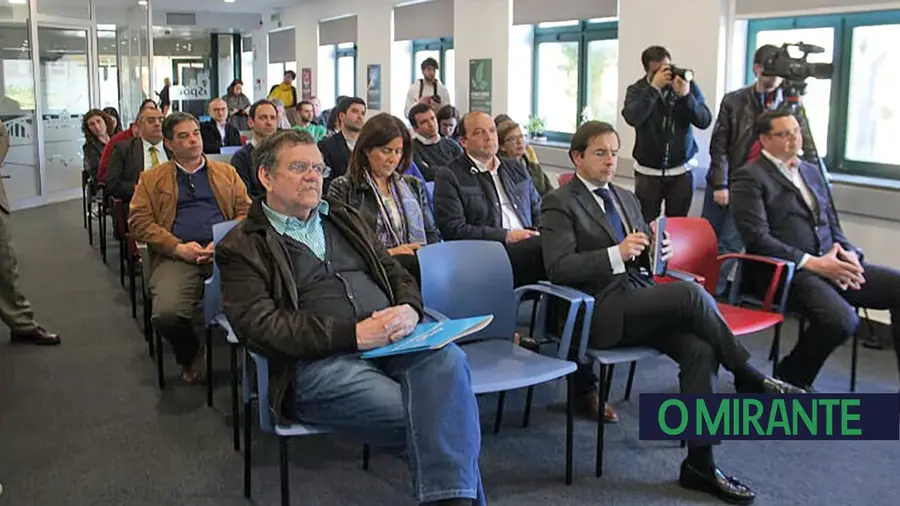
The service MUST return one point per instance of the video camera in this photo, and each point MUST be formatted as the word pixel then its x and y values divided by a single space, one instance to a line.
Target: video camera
pixel 780 63
pixel 686 74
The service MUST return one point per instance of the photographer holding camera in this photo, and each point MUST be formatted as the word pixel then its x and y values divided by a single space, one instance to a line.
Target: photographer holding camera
pixel 428 90
pixel 663 106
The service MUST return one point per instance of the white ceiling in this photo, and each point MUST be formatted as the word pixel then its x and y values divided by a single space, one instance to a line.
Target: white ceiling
pixel 255 6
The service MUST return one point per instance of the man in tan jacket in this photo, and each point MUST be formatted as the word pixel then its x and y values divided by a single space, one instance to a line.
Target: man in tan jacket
pixel 173 209
pixel 15 310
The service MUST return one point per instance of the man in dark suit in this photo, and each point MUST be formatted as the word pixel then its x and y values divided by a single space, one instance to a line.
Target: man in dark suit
pixel 782 208
pixel 479 196
pixel 131 157
pixel 218 132
pixel 15 310
pixel 595 239
pixel 336 149
pixel 263 122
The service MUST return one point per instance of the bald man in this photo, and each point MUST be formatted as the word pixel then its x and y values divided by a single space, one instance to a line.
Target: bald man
pixel 217 132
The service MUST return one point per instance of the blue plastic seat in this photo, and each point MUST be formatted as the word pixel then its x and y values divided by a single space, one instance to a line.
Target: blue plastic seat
pixel 469 278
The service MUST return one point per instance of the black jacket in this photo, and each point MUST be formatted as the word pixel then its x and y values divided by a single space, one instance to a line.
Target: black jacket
pixel 335 154
pixel 212 141
pixel 260 298
pixel 734 135
pixel 663 137
pixel 363 198
pixel 125 167
pixel 242 161
pixel 467 206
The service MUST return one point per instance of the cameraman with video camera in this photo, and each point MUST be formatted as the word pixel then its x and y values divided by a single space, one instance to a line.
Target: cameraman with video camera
pixel 663 107
pixel 734 143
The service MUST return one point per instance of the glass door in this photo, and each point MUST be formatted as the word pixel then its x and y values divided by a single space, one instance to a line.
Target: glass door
pixel 193 77
pixel 65 90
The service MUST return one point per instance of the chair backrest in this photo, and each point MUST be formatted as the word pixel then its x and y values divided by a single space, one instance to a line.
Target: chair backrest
pixel 266 422
pixel 565 178
pixel 696 249
pixel 470 278
pixel 229 150
pixel 212 292
pixel 218 157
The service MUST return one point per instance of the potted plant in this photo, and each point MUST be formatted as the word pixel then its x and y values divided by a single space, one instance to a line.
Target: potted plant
pixel 535 128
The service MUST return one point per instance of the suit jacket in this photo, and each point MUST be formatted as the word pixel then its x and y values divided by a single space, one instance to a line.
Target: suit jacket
pixel 4 150
pixel 335 154
pixel 466 202
pixel 125 166
pixel 774 220
pixel 212 141
pixel 575 236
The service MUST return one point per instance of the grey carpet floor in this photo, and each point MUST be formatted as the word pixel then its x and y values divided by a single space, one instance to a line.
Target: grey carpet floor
pixel 84 424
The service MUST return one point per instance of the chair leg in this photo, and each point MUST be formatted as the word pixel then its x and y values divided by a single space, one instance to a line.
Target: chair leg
pixel 601 423
pixel 775 351
pixel 160 368
pixel 90 223
pixel 366 452
pixel 570 426
pixel 132 287
pixel 283 466
pixel 122 254
pixel 101 228
pixel 854 357
pixel 630 382
pixel 209 368
pixel 84 202
pixel 235 413
pixel 872 341
pixel 609 378
pixel 528 398
pixel 248 415
pixel 500 400
pixel 148 322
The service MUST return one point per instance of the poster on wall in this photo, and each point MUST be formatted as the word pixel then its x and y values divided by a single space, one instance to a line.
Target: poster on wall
pixel 306 83
pixel 480 85
pixel 373 86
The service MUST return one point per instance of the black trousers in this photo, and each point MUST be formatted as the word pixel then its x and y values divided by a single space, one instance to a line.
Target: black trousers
pixel 676 191
pixel 527 261
pixel 682 321
pixel 832 317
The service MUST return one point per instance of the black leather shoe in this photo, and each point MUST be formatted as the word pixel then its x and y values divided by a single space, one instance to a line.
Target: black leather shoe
pixel 776 386
pixel 38 335
pixel 718 484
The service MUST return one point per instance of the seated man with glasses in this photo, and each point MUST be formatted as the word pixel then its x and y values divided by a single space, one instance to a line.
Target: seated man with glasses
pixel 174 207
pixel 307 284
pixel 782 208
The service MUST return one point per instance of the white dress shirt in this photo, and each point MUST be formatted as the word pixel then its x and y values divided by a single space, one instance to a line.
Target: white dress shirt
pixel 221 127
pixel 791 170
pixel 615 256
pixel 511 220
pixel 160 154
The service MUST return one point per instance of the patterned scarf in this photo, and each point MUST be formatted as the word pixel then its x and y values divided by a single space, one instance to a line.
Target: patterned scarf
pixel 412 228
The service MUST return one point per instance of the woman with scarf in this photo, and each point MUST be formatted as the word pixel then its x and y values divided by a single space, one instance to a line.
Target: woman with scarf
pixel 394 204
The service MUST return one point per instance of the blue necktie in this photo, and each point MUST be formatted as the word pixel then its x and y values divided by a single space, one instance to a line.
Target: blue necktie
pixel 611 213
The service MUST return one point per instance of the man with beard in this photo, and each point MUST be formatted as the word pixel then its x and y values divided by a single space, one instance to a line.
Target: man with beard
pixel 351 114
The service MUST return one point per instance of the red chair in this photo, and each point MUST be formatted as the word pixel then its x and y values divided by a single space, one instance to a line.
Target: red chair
pixel 565 178
pixel 696 251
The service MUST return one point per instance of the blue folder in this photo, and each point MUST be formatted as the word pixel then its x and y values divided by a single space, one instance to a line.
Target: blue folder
pixel 657 265
pixel 432 336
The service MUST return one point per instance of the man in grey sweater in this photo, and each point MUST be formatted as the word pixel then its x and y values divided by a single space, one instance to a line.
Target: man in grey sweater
pixel 430 150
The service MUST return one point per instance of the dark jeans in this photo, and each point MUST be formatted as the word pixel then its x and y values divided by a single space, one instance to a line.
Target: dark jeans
pixel 832 317
pixel 676 191
pixel 418 404
pixel 527 261
pixel 722 222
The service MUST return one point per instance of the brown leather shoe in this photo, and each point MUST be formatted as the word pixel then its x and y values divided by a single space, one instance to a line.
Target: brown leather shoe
pixel 590 406
pixel 38 335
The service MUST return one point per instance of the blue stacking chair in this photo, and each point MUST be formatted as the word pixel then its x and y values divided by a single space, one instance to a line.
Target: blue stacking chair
pixel 469 278
pixel 214 316
pixel 268 424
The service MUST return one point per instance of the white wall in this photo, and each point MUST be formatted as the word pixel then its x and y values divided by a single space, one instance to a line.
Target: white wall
pixel 482 30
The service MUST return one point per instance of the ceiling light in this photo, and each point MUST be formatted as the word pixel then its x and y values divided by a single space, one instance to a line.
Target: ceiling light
pixel 142 3
pixel 18 2
pixel 229 1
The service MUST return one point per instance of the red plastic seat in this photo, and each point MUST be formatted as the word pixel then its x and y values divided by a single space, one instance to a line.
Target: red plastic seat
pixel 565 178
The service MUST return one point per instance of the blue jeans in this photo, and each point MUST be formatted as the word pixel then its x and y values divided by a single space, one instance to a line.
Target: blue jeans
pixel 419 404
pixel 722 222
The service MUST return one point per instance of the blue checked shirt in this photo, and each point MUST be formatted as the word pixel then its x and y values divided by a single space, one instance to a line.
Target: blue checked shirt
pixel 309 232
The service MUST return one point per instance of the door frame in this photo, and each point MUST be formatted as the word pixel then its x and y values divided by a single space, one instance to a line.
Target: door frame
pixel 35 22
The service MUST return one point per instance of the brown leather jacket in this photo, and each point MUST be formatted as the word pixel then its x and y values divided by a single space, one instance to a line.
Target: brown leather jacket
pixel 259 294
pixel 155 201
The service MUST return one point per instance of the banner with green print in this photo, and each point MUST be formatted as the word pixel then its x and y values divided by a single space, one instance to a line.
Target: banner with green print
pixel 480 85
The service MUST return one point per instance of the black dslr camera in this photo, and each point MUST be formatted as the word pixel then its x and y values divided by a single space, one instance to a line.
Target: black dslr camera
pixel 686 74
pixel 780 63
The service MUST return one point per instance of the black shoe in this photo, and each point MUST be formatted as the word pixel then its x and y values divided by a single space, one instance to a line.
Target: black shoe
pixel 781 376
pixel 718 484
pixel 38 335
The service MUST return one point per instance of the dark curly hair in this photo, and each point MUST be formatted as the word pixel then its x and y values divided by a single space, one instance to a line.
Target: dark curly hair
pixel 110 126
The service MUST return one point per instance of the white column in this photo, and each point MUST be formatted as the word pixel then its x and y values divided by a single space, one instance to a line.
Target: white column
pixel 697 36
pixel 374 42
pixel 306 41
pixel 481 29
pixel 258 89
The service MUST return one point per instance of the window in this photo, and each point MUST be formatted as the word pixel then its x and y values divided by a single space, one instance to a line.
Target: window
pixel 442 51
pixel 576 67
pixel 345 69
pixel 853 116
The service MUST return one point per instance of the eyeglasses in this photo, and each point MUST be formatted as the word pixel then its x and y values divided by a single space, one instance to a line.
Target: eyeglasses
pixel 787 134
pixel 301 168
pixel 515 139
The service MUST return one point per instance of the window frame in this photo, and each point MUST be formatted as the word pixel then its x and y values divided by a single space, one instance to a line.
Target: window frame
pixel 584 32
pixel 340 52
pixel 843 25
pixel 441 45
